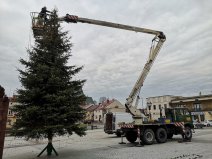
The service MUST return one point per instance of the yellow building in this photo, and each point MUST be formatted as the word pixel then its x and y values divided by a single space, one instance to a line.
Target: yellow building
pixel 200 106
pixel 89 117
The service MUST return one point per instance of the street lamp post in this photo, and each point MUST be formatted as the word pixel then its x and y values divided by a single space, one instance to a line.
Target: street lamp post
pixel 197 109
pixel 149 104
pixel 161 112
pixel 142 103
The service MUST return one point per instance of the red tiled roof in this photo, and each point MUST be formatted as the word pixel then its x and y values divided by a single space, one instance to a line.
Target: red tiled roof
pixel 13 98
pixel 85 106
pixel 92 108
pixel 105 104
pixel 100 107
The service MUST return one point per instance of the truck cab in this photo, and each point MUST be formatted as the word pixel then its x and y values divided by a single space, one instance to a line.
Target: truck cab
pixel 179 115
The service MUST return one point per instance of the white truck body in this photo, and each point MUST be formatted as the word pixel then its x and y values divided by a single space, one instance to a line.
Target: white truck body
pixel 112 120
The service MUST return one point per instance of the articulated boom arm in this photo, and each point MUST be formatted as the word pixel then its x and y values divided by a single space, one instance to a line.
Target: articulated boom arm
pixel 152 55
pixel 159 39
pixel 74 19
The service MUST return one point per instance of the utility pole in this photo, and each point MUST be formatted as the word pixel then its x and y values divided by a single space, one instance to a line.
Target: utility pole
pixel 4 104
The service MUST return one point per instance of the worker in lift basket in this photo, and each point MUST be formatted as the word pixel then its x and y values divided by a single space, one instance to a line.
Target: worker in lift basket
pixel 43 14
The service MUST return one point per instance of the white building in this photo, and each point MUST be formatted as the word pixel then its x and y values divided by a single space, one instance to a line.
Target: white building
pixel 105 107
pixel 100 111
pixel 157 105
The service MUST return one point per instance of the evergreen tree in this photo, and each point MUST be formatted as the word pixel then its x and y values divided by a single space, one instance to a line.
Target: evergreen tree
pixel 1 91
pixel 49 99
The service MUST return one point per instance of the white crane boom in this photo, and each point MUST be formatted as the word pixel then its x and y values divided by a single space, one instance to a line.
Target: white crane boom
pixel 158 39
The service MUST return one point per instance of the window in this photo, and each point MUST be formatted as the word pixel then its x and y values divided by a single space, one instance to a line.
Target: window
pixel 159 106
pixel 165 106
pixel 154 106
pixel 182 111
pixel 202 117
pixel 197 107
pixel 149 107
pixel 9 112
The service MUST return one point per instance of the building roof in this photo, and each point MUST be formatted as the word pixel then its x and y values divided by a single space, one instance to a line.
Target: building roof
pixel 192 98
pixel 85 106
pixel 13 98
pixel 104 104
pixel 92 108
pixel 162 96
pixel 115 104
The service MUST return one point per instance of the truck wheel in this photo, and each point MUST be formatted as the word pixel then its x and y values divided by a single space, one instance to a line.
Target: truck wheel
pixel 161 135
pixel 131 136
pixel 188 133
pixel 170 135
pixel 148 137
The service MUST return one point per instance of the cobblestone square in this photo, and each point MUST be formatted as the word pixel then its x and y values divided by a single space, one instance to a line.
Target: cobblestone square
pixel 98 145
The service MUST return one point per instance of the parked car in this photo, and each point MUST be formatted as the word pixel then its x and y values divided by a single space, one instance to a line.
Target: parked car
pixel 198 125
pixel 207 123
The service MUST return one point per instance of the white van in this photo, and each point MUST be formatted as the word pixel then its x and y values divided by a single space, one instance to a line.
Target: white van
pixel 111 121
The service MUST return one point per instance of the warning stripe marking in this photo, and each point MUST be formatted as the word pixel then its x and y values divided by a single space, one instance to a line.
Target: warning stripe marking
pixel 126 126
pixel 179 124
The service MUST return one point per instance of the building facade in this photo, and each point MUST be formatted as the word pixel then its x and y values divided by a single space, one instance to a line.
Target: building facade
pixel 11 117
pixel 156 105
pixel 200 106
pixel 101 110
pixel 89 117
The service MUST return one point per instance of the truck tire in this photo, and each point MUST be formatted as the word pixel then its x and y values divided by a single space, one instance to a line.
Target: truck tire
pixel 161 135
pixel 170 135
pixel 131 136
pixel 188 133
pixel 148 137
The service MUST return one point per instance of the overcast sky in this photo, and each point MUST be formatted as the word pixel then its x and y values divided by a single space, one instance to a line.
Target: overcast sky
pixel 112 58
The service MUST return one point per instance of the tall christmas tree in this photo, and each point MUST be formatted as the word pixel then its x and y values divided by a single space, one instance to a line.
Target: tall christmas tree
pixel 49 101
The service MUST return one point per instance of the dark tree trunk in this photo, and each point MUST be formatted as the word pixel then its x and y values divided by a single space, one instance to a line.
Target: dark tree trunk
pixel 49 146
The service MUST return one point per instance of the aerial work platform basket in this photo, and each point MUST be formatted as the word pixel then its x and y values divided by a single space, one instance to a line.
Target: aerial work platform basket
pixel 38 23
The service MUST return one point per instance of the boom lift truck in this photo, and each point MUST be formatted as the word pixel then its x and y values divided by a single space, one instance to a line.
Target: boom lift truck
pixel 177 121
